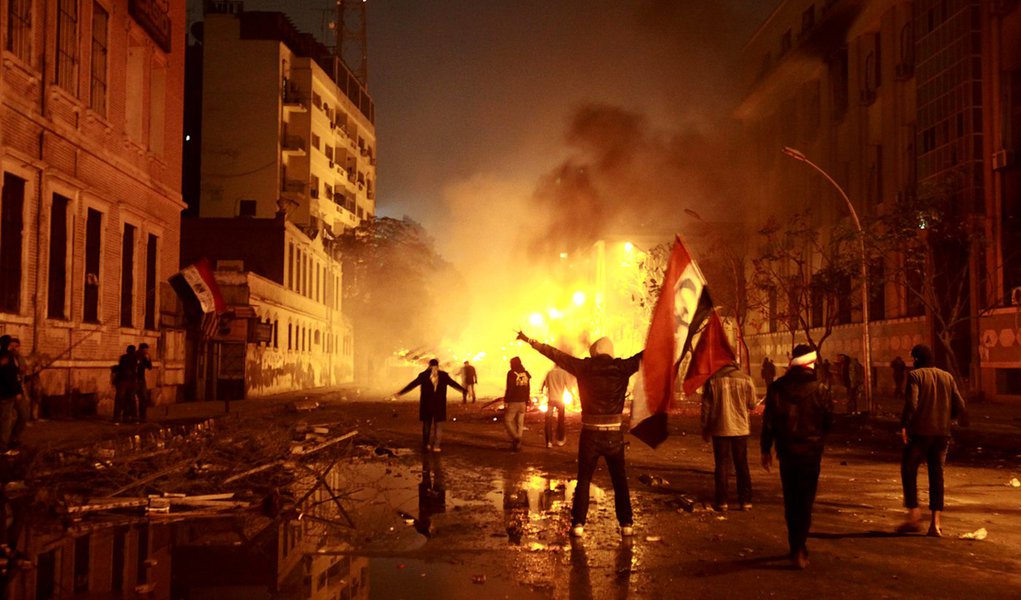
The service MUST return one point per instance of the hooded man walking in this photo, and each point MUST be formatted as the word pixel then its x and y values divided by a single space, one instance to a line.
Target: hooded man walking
pixel 602 384
pixel 798 415
pixel 432 403
pixel 931 402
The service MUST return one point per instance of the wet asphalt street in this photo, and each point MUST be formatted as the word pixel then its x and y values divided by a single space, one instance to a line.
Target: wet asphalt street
pixel 480 521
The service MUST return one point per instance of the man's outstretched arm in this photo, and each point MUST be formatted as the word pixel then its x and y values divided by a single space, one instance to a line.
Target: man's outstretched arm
pixel 564 360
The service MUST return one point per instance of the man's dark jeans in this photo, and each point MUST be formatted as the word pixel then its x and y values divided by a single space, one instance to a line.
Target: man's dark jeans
pixel 723 448
pixel 932 450
pixel 124 402
pixel 799 476
pixel 609 445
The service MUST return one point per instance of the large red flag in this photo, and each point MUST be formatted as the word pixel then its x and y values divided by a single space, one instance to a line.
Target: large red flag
pixel 681 310
pixel 712 353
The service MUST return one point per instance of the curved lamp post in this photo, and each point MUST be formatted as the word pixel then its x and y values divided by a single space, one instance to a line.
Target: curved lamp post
pixel 866 344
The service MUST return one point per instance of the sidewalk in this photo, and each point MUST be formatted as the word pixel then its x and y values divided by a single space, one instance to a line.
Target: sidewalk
pixel 75 433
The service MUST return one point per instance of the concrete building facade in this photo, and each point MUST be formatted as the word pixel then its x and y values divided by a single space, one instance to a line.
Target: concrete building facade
pixel 888 97
pixel 91 103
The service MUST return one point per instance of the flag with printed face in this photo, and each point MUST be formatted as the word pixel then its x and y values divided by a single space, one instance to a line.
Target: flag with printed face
pixel 683 309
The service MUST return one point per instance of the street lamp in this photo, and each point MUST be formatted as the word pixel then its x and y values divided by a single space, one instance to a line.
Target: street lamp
pixel 866 344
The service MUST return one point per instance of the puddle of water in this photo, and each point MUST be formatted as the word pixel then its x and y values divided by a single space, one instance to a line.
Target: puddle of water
pixel 425 580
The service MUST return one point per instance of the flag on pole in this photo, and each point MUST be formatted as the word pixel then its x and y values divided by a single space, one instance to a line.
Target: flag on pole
pixel 197 287
pixel 683 310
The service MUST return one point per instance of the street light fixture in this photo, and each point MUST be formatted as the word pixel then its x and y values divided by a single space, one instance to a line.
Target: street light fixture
pixel 866 344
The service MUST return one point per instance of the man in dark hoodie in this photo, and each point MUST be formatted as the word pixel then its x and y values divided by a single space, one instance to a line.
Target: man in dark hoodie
pixel 931 402
pixel 515 400
pixel 602 384
pixel 797 417
pixel 432 402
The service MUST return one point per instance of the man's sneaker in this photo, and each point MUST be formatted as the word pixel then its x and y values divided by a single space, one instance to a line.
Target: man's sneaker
pixel 436 449
pixel 721 508
pixel 578 531
pixel 627 530
pixel 561 442
pixel 549 444
pixel 746 506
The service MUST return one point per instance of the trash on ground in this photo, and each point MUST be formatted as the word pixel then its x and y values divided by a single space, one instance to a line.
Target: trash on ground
pixel 1014 483
pixel 978 534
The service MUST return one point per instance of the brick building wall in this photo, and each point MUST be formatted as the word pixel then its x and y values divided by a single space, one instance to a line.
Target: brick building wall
pixel 91 122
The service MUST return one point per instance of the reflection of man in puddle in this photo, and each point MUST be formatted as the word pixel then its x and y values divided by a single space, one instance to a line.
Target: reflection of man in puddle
pixel 432 494
pixel 581 578
pixel 602 384
pixel 515 508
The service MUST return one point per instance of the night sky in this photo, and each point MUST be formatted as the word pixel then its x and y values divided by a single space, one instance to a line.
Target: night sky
pixel 474 97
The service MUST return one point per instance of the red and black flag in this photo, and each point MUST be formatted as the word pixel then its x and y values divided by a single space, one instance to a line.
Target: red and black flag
pixel 197 288
pixel 686 340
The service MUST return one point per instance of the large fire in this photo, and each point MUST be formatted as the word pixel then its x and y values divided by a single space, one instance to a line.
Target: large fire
pixel 571 404
pixel 567 302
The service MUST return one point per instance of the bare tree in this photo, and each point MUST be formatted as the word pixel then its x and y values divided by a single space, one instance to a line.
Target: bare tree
pixel 801 279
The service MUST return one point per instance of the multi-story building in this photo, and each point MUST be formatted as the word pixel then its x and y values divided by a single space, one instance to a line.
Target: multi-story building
pixel 287 164
pixel 285 125
pixel 91 111
pixel 889 96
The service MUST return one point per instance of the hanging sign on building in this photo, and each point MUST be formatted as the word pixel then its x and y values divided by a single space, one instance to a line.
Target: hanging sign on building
pixel 154 17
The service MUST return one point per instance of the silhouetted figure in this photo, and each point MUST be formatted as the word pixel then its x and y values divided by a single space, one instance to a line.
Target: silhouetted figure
pixel 125 379
pixel 768 372
pixel 432 402
pixel 432 494
pixel 727 398
pixel 602 384
pixel 516 399
pixel 931 402
pixel 899 370
pixel 798 415
pixel 142 387
pixel 469 377
pixel 10 391
pixel 855 383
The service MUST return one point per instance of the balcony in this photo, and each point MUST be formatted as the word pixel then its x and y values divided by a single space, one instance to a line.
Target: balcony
pixel 294 186
pixel 293 145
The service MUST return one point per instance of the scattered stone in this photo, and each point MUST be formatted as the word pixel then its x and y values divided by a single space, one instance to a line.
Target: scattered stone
pixel 479 579
pixel 653 538
pixel 653 480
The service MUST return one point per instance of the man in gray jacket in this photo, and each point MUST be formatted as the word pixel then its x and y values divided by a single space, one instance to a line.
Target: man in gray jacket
pixel 931 402
pixel 727 398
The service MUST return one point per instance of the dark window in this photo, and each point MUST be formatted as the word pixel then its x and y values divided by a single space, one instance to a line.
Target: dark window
pixel 246 208
pixel 117 564
pixel 46 575
pixel 66 71
pixel 97 90
pixel 128 276
pixel 151 282
pixel 785 42
pixel 807 20
pixel 877 291
pixel 81 564
pixel 276 331
pixel 843 301
pixel 290 343
pixel 19 28
pixel 11 225
pixel 839 84
pixel 58 259
pixel 93 246
pixel 290 266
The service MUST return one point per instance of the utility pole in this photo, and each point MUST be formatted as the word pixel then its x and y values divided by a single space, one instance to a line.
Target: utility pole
pixel 352 40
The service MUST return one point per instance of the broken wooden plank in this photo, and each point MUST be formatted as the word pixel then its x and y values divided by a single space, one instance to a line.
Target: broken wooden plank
pixel 303 451
pixel 153 477
pixel 254 471
pixel 99 504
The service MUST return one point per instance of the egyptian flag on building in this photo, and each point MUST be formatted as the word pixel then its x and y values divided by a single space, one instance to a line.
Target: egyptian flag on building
pixel 197 288
pixel 684 318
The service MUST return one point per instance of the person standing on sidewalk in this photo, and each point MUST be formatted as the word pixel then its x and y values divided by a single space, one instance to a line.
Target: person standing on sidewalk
pixel 125 379
pixel 931 402
pixel 432 402
pixel 23 405
pixel 469 377
pixel 768 372
pixel 602 385
pixel 797 417
pixel 515 400
pixel 899 369
pixel 10 393
pixel 556 384
pixel 141 387
pixel 727 398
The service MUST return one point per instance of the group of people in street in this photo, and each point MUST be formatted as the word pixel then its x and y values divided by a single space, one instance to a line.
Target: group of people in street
pixel 19 394
pixel 131 396
pixel 845 370
pixel 797 416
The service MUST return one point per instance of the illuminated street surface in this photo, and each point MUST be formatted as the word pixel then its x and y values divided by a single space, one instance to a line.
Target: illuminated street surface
pixel 480 521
